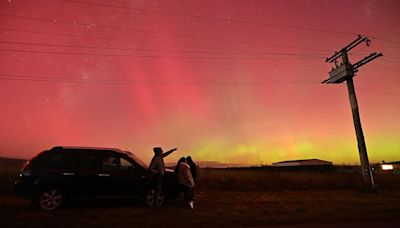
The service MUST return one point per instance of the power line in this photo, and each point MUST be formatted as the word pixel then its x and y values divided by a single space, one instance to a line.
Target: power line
pixel 390 60
pixel 306 29
pixel 32 78
pixel 159 50
pixel 211 18
pixel 159 56
pixel 384 56
pixel 95 25
pixel 380 92
pixel 227 50
pixel 391 57
pixel 69 35
pixel 386 40
pixel 15 77
pixel 386 68
pixel 146 82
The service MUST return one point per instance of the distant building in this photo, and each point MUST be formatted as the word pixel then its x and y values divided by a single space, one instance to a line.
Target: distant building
pixel 305 162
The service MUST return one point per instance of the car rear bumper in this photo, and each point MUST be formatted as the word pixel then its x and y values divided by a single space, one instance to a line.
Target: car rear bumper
pixel 24 188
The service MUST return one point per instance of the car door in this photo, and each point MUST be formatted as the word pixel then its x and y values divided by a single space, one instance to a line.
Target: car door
pixel 81 167
pixel 121 176
pixel 107 174
pixel 131 177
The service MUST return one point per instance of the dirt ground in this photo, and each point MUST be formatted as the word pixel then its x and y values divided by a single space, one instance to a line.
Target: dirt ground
pixel 213 209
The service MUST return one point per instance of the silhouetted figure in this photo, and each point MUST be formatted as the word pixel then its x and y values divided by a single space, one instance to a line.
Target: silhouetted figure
pixel 176 170
pixel 157 168
pixel 186 181
pixel 193 167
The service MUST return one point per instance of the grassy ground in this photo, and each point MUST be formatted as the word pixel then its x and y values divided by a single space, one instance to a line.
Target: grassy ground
pixel 214 209
pixel 230 198
pixel 267 180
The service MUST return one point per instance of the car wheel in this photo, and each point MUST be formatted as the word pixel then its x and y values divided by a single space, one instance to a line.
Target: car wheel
pixel 50 199
pixel 155 198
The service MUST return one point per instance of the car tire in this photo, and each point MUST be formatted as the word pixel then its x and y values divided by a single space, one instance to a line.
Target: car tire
pixel 154 199
pixel 50 198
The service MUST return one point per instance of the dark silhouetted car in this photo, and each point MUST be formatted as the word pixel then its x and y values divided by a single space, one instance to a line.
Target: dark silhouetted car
pixel 61 173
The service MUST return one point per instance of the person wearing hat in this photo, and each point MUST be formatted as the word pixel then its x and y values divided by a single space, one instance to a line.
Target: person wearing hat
pixel 157 167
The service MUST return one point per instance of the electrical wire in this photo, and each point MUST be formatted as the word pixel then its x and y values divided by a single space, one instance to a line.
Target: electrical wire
pixel 69 35
pixel 386 68
pixel 154 82
pixel 31 78
pixel 95 25
pixel 379 92
pixel 213 49
pixel 160 56
pixel 211 18
pixel 390 60
pixel 160 50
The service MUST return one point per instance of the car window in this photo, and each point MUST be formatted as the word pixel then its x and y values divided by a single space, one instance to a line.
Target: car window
pixel 55 161
pixel 85 162
pixel 126 165
pixel 114 163
pixel 69 162
pixel 110 163
pixel 139 161
pixel 76 162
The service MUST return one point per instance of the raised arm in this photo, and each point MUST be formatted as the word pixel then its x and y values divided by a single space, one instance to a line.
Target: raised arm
pixel 165 154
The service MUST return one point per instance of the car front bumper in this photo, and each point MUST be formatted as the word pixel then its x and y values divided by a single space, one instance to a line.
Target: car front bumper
pixel 24 188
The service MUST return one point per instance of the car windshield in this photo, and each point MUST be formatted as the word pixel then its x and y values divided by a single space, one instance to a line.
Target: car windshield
pixel 139 161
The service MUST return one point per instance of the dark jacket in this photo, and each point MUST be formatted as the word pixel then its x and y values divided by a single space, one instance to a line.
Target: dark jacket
pixel 193 169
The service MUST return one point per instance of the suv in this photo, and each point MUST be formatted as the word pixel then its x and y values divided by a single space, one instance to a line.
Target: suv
pixel 61 173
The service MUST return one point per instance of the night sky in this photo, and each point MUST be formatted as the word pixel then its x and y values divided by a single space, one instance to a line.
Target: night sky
pixel 227 81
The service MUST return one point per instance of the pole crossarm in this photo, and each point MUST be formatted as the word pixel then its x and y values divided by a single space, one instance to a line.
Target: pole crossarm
pixel 366 60
pixel 350 46
pixel 345 70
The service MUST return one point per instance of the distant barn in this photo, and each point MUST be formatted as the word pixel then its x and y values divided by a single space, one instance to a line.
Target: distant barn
pixel 305 162
pixel 391 166
pixel 305 165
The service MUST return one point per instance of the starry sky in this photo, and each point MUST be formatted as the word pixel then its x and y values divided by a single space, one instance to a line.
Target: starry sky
pixel 229 81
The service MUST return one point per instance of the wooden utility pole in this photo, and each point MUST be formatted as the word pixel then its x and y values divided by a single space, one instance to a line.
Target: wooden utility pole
pixel 345 72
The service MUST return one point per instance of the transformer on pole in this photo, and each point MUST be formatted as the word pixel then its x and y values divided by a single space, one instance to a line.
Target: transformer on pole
pixel 344 72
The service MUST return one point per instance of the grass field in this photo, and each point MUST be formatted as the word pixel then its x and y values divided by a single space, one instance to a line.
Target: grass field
pixel 267 180
pixel 231 198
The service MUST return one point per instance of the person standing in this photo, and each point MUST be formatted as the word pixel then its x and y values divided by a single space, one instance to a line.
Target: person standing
pixel 157 168
pixel 185 179
pixel 176 170
pixel 193 167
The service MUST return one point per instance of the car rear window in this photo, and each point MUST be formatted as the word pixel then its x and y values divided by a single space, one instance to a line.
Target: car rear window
pixel 80 162
pixel 73 161
pixel 55 161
